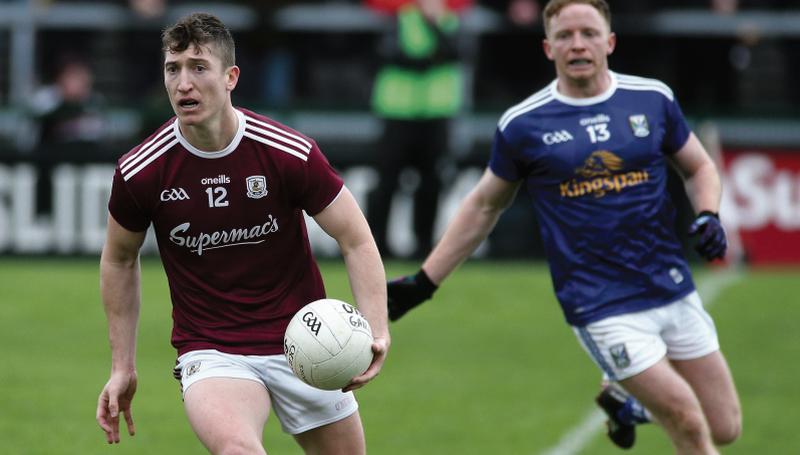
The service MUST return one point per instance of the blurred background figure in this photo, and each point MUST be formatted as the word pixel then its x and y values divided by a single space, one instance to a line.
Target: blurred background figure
pixel 148 9
pixel 70 120
pixel 520 13
pixel 724 6
pixel 417 90
pixel 69 110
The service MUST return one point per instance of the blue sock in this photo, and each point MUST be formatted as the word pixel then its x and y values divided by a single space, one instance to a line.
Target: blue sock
pixel 633 412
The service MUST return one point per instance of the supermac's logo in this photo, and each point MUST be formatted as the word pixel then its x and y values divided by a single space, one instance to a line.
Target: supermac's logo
pixel 601 173
pixel 201 242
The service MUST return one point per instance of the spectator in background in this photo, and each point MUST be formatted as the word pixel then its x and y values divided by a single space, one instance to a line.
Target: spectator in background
pixel 148 9
pixel 417 91
pixel 521 13
pixel 70 119
pixel 724 6
pixel 69 110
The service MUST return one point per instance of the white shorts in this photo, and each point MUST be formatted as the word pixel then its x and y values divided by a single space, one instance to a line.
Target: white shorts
pixel 625 345
pixel 298 406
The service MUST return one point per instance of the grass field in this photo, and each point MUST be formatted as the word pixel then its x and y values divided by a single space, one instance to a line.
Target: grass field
pixel 489 367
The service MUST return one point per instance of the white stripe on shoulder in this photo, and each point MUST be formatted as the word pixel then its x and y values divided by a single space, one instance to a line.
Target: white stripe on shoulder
pixel 539 98
pixel 160 138
pixel 642 83
pixel 255 121
pixel 289 142
pixel 276 145
pixel 127 175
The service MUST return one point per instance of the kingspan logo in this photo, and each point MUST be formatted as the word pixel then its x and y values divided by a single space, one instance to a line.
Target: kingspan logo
pixel 200 242
pixel 602 172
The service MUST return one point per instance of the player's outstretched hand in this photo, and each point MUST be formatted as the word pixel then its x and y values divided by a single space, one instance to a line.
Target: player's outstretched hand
pixel 711 243
pixel 407 292
pixel 115 399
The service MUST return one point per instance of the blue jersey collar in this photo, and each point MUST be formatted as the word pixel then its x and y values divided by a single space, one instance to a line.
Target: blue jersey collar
pixel 585 101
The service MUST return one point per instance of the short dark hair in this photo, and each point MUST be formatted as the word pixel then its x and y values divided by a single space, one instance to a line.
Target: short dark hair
pixel 554 7
pixel 200 29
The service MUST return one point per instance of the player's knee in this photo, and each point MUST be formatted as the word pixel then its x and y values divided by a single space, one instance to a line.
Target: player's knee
pixel 688 425
pixel 729 430
pixel 240 447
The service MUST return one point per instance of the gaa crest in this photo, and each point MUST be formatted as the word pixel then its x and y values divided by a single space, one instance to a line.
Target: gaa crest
pixel 639 125
pixel 256 186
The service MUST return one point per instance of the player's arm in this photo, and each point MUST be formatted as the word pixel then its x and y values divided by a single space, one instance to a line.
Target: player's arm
pixel 473 222
pixel 344 221
pixel 120 293
pixel 700 174
pixel 704 188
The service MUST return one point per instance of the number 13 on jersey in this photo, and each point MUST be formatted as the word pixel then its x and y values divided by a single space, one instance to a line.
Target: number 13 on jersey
pixel 598 132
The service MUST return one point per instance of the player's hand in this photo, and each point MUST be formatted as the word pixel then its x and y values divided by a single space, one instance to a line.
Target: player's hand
pixel 380 347
pixel 711 243
pixel 116 398
pixel 407 292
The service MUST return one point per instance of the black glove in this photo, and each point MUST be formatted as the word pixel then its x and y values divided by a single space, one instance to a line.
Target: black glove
pixel 711 243
pixel 407 292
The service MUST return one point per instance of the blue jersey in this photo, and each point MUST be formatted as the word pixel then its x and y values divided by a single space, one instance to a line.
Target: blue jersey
pixel 596 171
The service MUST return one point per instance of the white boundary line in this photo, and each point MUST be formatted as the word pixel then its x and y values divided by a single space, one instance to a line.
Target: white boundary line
pixel 579 436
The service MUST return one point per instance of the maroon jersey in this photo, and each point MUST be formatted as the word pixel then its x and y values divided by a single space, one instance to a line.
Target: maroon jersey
pixel 230 229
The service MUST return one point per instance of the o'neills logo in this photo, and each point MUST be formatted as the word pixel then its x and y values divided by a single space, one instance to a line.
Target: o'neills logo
pixel 600 174
pixel 197 243
pixel 218 180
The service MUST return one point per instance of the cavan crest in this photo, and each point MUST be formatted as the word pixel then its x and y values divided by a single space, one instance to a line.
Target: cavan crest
pixel 256 186
pixel 639 125
pixel 620 355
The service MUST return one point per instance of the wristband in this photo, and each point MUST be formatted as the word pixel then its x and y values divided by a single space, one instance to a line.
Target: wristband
pixel 424 282
pixel 708 213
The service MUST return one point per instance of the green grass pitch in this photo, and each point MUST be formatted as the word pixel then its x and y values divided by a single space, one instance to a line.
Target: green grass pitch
pixel 489 366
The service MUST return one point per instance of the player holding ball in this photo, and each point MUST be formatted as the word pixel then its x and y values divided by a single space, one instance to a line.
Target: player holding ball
pixel 225 189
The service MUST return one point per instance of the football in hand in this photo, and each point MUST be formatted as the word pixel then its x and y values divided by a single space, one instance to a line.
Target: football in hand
pixel 328 343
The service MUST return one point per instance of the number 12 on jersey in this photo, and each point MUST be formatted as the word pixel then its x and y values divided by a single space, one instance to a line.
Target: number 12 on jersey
pixel 216 196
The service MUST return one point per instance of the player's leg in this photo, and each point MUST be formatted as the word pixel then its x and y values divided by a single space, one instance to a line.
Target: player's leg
pixel 711 380
pixel 628 408
pixel 624 412
pixel 322 421
pixel 629 349
pixel 674 404
pixel 345 437
pixel 225 401
pixel 622 346
pixel 228 415
pixel 693 348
